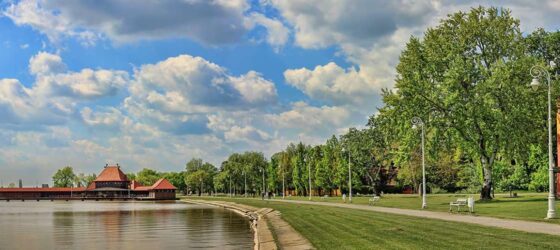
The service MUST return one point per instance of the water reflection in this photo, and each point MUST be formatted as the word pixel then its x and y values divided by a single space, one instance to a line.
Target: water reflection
pixel 132 225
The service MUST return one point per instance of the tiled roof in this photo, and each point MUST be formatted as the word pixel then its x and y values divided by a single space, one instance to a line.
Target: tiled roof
pixel 111 173
pixel 54 189
pixel 163 184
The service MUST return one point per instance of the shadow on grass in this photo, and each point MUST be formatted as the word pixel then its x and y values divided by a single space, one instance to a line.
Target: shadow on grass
pixel 511 200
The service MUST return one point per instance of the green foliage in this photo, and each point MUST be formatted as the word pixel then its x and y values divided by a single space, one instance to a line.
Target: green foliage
pixel 177 179
pixel 538 161
pixel 64 177
pixel 199 176
pixel 131 176
pixel 468 80
pixel 148 176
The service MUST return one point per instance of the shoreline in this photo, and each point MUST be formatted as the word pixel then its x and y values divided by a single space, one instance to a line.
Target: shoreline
pixel 262 235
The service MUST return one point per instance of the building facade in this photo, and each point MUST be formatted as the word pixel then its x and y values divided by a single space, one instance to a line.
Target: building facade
pixel 111 184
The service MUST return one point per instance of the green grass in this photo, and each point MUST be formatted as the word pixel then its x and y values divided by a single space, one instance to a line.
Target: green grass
pixel 527 206
pixel 339 228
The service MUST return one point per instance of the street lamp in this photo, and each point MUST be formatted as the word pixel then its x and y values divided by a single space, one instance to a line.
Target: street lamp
pixel 538 72
pixel 416 121
pixel 349 177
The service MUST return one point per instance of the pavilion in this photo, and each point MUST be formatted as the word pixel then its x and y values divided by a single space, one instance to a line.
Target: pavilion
pixel 111 184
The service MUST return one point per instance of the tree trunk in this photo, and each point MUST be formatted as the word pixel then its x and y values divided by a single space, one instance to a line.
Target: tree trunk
pixel 486 192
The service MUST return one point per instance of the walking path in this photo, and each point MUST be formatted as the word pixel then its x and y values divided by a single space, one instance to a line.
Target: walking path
pixel 525 226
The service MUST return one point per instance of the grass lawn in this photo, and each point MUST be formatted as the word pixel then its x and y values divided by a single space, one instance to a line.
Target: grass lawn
pixel 339 228
pixel 527 206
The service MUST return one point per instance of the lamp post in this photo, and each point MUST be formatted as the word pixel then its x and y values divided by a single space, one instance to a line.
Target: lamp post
pixel 416 121
pixel 349 176
pixel 538 72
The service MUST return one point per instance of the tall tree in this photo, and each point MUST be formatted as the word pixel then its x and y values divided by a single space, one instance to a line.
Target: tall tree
pixel 467 79
pixel 148 176
pixel 64 177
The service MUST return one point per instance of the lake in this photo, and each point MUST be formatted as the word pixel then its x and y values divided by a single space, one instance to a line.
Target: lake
pixel 120 225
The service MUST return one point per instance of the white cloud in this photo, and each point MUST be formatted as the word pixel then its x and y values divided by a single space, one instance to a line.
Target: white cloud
pixel 111 118
pixel 55 27
pixel 248 133
pixel 334 84
pixel 186 84
pixel 304 117
pixel 212 22
pixel 277 34
pixel 46 63
pixel 87 83
pixel 54 95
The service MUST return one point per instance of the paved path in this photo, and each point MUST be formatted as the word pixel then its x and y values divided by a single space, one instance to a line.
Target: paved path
pixel 526 226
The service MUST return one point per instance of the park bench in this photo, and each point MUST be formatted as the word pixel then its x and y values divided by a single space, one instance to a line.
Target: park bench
pixel 373 200
pixel 458 203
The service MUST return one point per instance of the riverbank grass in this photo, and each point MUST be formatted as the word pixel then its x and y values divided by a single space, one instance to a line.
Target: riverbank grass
pixel 339 228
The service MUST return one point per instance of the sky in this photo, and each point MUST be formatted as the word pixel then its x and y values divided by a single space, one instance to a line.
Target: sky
pixel 152 84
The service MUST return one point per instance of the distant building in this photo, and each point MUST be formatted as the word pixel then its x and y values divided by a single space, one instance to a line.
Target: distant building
pixel 20 183
pixel 111 183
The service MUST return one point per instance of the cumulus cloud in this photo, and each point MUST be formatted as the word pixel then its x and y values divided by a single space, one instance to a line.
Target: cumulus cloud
pixel 332 83
pixel 210 22
pixel 54 95
pixel 186 84
pixel 46 63
pixel 309 118
pixel 55 27
pixel 176 94
pixel 247 134
pixel 87 83
pixel 277 34
pixel 320 23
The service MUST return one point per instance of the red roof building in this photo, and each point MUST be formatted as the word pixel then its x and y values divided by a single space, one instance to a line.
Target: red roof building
pixel 111 183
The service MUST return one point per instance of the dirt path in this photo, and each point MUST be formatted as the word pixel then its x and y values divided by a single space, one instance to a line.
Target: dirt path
pixel 525 226
pixel 264 218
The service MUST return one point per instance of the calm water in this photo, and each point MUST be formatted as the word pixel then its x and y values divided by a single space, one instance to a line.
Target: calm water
pixel 114 225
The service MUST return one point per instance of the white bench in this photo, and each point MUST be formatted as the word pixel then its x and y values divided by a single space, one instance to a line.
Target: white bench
pixel 373 200
pixel 458 203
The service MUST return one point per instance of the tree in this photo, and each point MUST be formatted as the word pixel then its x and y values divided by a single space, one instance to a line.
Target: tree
pixel 199 176
pixel 177 179
pixel 89 179
pixel 148 176
pixel 64 177
pixel 467 80
pixel 538 162
pixel 131 176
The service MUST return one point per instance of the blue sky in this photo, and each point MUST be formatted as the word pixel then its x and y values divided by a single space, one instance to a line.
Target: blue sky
pixel 155 83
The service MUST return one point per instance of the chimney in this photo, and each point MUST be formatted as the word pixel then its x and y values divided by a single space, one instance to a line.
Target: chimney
pixel 20 183
pixel 106 164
